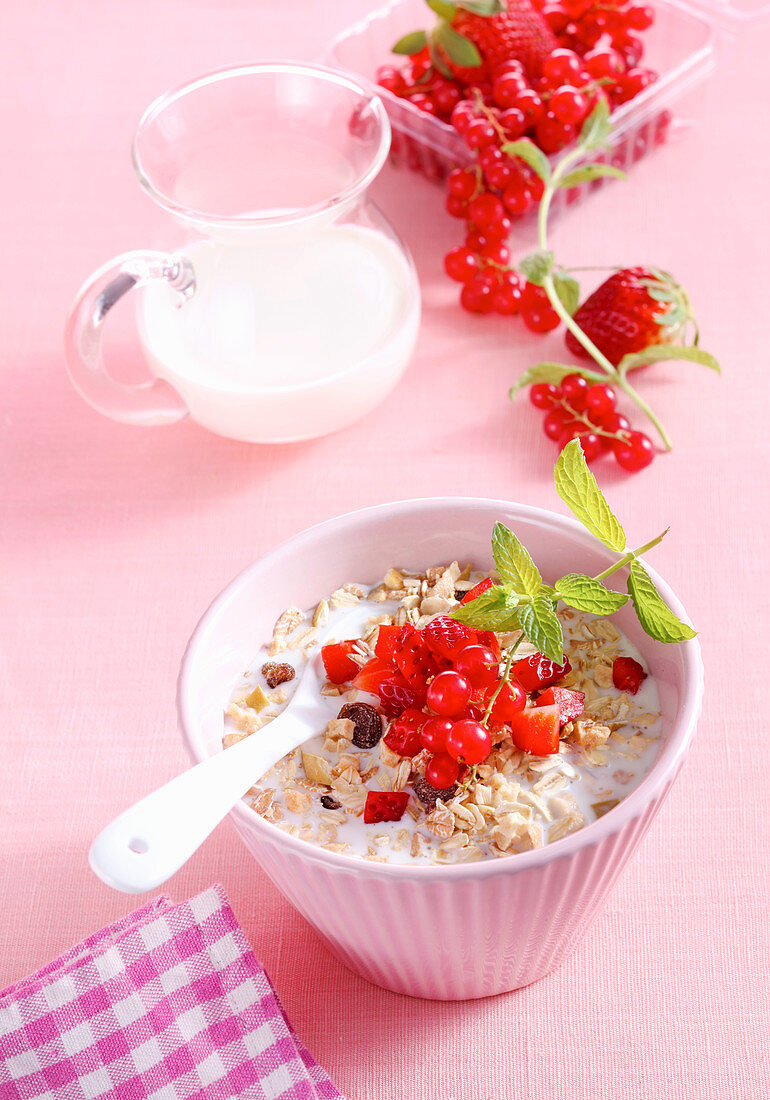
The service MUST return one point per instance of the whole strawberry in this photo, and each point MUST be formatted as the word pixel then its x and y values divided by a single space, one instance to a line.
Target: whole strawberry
pixel 632 310
pixel 516 32
pixel 473 38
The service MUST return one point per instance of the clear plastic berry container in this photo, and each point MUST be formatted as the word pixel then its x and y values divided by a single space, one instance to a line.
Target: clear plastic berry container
pixel 679 47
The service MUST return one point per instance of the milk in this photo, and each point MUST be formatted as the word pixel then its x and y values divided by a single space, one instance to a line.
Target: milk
pixel 287 334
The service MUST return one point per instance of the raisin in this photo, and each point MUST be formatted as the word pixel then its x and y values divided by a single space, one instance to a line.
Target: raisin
pixel 428 794
pixel 329 803
pixel 367 723
pixel 277 674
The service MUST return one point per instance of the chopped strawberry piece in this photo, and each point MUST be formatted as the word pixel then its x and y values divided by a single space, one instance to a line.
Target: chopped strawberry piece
pixel 390 639
pixel 536 730
pixel 476 591
pixel 445 637
pixel 385 806
pixel 403 736
pixel 489 638
pixel 397 695
pixel 537 672
pixel 372 674
pixel 338 664
pixel 627 674
pixel 415 661
pixel 570 703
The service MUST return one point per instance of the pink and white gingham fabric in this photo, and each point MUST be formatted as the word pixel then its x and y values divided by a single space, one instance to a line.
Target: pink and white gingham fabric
pixel 168 1003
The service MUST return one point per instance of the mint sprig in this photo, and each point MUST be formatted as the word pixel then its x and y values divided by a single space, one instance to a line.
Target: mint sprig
pixel 524 602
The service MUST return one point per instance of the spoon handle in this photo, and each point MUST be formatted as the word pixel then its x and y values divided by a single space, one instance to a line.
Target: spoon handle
pixel 152 839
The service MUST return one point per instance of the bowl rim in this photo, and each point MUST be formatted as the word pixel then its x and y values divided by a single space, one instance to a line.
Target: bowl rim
pixel 663 770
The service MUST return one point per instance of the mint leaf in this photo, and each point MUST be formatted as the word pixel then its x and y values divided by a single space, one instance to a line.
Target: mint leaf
pixel 456 46
pixel 658 620
pixel 662 353
pixel 481 7
pixel 527 151
pixel 577 487
pixel 513 561
pixel 596 128
pixel 536 266
pixel 590 172
pixel 585 594
pixel 495 609
pixel 553 373
pixel 568 290
pixel 410 43
pixel 445 9
pixel 541 626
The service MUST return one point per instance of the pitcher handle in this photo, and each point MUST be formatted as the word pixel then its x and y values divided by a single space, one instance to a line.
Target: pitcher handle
pixel 151 402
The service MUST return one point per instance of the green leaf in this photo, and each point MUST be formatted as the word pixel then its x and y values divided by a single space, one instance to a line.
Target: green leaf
pixel 445 9
pixel 527 151
pixel 513 561
pixel 553 373
pixel 438 62
pixel 577 487
pixel 590 172
pixel 540 624
pixel 411 43
pixel 536 266
pixel 657 618
pixel 495 609
pixel 586 594
pixel 568 290
pixel 662 353
pixel 481 7
pixel 456 46
pixel 597 127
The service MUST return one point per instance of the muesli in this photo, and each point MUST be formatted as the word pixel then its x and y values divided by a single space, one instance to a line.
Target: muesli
pixel 451 736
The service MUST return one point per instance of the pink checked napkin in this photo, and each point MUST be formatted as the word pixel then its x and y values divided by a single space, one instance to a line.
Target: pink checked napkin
pixel 168 1004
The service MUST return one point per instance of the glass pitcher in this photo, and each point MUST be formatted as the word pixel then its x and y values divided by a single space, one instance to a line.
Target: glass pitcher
pixel 290 307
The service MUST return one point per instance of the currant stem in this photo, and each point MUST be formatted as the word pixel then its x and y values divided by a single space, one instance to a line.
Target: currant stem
pixel 504 679
pixel 632 555
pixel 550 288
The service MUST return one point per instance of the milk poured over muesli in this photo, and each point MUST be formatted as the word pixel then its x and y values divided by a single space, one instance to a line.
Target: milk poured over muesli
pixel 510 802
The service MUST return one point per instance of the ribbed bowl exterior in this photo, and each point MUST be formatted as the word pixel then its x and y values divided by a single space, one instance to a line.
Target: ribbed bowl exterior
pixel 455 939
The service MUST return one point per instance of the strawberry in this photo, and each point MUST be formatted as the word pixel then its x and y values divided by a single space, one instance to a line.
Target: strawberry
pixel 473 38
pixel 633 309
pixel 516 33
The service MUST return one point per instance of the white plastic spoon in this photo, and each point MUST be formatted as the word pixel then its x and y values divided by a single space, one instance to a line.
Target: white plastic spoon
pixel 151 840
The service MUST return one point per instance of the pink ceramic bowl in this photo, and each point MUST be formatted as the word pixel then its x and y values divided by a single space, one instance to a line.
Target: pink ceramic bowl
pixel 446 932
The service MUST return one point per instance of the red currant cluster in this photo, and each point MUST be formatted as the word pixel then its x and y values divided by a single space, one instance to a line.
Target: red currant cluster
pixel 584 25
pixel 422 84
pixel 576 409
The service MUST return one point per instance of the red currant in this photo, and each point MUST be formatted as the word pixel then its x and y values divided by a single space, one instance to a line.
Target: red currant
pixel 604 62
pixel 635 452
pixel 469 742
pixel 507 87
pixel 589 441
pixel 479 665
pixel 449 694
pixel 568 104
pixel 541 319
pixel 480 133
pixel 460 264
pixel 612 421
pixel 561 66
pixel 510 701
pixel 486 210
pixel 518 198
pixel 543 395
pixel 434 734
pixel 462 182
pixel 531 106
pixel 551 134
pixel 445 95
pixel 496 253
pixel 514 121
pixel 423 103
pixel 456 206
pixel 600 399
pixel 574 389
pixel 556 421
pixel 389 78
pixel 462 115
pixel 476 295
pixel 506 299
pixel 442 771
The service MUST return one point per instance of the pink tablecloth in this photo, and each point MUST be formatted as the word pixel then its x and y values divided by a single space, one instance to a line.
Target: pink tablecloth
pixel 115 539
